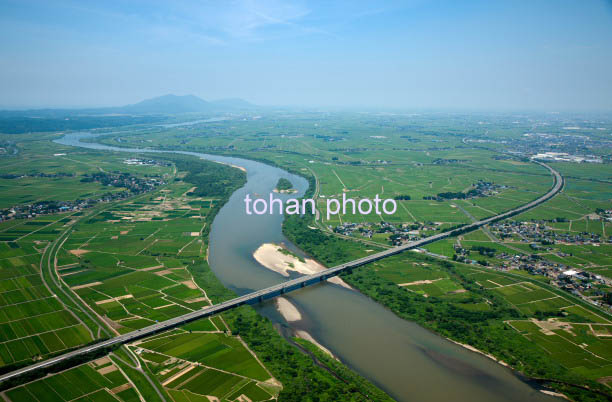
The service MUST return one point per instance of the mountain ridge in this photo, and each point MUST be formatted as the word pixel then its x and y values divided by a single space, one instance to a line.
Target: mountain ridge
pixel 164 104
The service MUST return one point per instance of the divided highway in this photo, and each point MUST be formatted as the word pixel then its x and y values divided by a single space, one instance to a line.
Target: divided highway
pixel 285 287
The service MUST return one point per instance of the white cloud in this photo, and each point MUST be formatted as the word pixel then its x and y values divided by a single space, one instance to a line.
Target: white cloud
pixel 236 20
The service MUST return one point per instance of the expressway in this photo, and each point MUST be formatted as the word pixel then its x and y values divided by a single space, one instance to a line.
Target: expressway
pixel 284 287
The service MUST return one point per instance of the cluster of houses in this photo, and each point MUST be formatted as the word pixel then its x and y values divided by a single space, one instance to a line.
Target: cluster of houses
pixel 535 232
pixel 605 214
pixel 581 283
pixel 399 233
pixel 568 147
pixel 479 189
pixel 464 255
pixel 486 188
pixel 145 162
pixel 132 184
pixel 348 228
pixel 28 211
pixel 572 280
pixel 11 176
pixel 8 148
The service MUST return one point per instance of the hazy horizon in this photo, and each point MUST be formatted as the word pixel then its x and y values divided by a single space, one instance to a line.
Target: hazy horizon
pixel 438 55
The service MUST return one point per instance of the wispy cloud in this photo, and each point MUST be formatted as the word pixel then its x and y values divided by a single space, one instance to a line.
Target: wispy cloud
pixel 223 22
pixel 248 19
pixel 205 22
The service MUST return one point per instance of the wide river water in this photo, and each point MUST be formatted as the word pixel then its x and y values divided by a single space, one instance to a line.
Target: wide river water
pixel 407 361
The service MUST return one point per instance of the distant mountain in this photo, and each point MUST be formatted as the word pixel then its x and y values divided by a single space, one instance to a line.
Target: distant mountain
pixel 161 105
pixel 148 111
pixel 173 104
pixel 168 104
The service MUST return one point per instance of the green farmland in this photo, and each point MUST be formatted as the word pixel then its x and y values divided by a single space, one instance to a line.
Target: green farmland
pixel 214 364
pixel 100 380
pixel 33 322
pixel 80 276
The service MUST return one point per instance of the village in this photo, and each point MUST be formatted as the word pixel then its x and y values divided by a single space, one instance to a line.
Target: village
pixel 586 285
pixel 132 185
pixel 398 233
pixel 145 162
pixel 542 233
pixel 538 234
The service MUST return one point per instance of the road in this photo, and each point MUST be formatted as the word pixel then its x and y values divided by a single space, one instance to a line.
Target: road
pixel 285 287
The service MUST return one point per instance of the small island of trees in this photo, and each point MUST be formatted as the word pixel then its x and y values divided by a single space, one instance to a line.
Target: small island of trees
pixel 284 186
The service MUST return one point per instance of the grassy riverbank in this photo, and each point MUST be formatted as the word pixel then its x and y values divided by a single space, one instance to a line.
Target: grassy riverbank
pixel 447 298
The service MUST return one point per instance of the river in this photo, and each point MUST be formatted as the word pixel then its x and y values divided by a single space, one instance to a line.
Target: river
pixel 407 361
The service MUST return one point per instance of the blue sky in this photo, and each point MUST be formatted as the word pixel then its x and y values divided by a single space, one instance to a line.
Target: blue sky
pixel 474 55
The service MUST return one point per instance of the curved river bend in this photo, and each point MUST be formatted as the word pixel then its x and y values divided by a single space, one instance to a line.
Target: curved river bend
pixel 407 361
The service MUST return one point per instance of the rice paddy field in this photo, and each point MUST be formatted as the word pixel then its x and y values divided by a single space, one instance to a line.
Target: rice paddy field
pixel 37 318
pixel 196 363
pixel 100 380
pixel 33 322
pixel 360 157
pixel 575 335
pixel 129 264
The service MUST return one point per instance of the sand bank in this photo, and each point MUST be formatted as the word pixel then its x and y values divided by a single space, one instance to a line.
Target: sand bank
pixel 289 312
pixel 238 167
pixel 473 349
pixel 279 259
pixel 306 336
pixel 226 164
pixel 552 393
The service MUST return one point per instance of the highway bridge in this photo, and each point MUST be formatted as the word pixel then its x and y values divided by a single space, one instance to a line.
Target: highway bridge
pixel 285 287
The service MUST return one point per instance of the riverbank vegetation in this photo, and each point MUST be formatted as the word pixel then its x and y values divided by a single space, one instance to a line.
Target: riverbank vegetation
pixel 476 307
pixel 210 179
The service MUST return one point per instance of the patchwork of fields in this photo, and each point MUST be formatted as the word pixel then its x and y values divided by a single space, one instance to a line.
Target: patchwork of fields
pixel 125 262
pixel 34 323
pixel 192 362
pixel 100 380
pixel 131 265
pixel 45 171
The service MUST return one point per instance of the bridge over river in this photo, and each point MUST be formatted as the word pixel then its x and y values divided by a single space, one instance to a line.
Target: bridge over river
pixel 282 288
